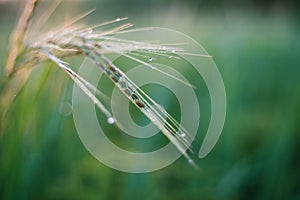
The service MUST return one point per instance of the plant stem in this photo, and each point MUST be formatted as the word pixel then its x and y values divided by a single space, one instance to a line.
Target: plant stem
pixel 13 82
pixel 19 35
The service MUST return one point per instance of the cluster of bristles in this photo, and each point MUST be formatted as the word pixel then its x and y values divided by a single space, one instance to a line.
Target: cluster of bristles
pixel 73 40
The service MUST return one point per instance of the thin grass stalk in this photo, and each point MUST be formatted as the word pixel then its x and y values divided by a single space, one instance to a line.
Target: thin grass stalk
pixel 70 40
pixel 17 43
pixel 12 82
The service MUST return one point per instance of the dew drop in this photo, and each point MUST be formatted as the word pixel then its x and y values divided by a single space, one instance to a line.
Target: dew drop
pixel 111 120
pixel 118 19
pixel 190 161
pixel 170 57
pixel 182 134
pixel 150 59
pixel 90 31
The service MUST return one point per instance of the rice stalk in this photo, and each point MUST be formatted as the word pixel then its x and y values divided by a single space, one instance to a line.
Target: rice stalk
pixel 20 34
pixel 13 80
pixel 71 40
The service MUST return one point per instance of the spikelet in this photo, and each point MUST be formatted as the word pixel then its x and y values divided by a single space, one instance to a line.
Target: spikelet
pixel 72 39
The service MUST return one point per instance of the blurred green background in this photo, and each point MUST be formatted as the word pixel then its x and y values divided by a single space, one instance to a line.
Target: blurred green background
pixel 256 47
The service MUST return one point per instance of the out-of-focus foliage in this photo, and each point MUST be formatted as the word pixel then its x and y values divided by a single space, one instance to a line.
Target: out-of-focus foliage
pixel 256 47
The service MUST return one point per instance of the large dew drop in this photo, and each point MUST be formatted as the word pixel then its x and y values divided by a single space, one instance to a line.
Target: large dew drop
pixel 111 120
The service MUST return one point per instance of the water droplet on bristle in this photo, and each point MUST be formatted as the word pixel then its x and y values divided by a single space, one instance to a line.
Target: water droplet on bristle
pixel 170 57
pixel 118 19
pixel 182 134
pixel 150 59
pixel 111 120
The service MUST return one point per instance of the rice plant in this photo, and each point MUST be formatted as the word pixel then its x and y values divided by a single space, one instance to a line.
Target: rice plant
pixel 72 39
